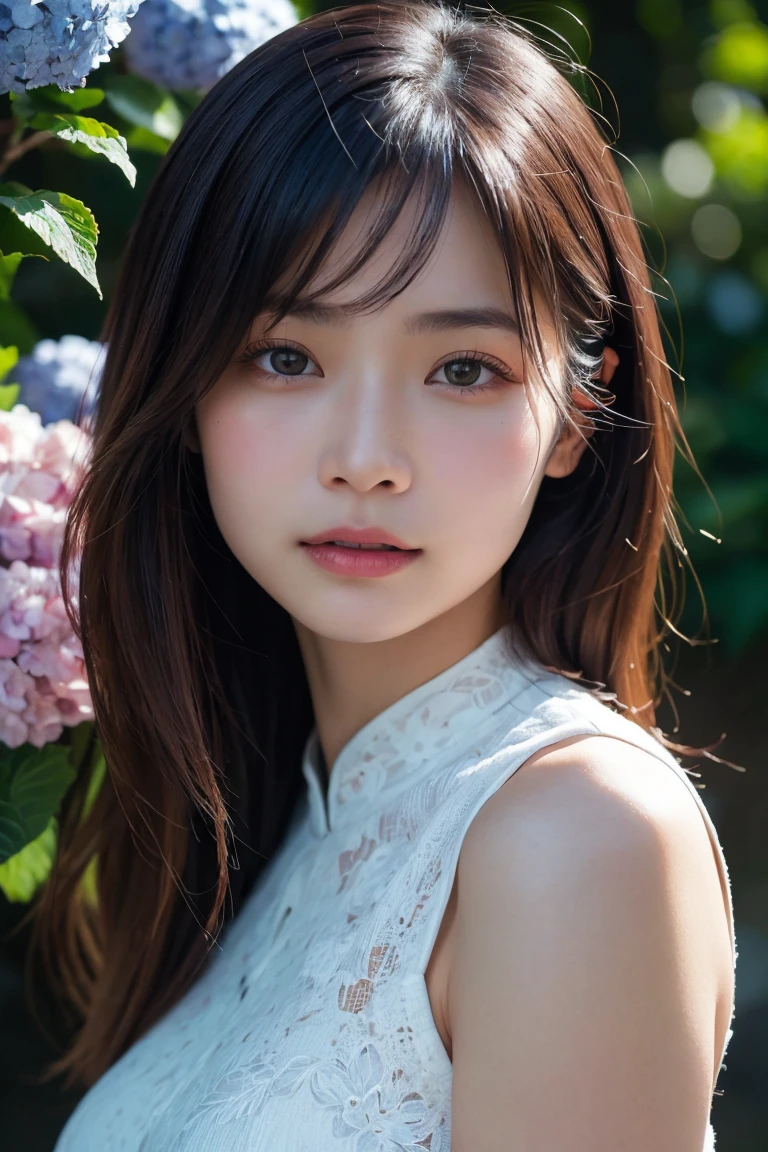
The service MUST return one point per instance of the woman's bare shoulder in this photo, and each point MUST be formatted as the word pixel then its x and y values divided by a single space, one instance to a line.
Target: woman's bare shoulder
pixel 594 777
pixel 589 958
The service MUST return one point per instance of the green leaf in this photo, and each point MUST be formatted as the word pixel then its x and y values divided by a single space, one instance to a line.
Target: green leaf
pixel 48 99
pixel 8 267
pixel 9 394
pixel 32 784
pixel 145 104
pixel 75 101
pixel 8 360
pixel 16 327
pixel 61 221
pixel 142 140
pixel 99 137
pixel 22 874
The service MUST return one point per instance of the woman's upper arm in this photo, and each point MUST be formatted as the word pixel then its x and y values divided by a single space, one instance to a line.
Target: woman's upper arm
pixel 586 966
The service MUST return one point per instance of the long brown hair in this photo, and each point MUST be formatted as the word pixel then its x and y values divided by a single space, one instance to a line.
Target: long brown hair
pixel 199 691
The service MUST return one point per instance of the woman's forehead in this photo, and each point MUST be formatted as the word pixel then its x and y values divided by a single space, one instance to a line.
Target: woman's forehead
pixel 466 268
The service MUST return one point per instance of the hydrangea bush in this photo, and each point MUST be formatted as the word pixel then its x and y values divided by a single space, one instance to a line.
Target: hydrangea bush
pixel 43 684
pixel 58 375
pixel 59 41
pixel 43 688
pixel 192 43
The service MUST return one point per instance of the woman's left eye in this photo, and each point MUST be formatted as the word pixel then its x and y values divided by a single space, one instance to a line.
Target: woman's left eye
pixel 463 373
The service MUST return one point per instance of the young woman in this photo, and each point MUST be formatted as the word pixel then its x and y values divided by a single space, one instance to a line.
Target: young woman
pixel 390 853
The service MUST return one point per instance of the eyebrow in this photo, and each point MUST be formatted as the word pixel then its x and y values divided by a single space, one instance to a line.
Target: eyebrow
pixel 440 320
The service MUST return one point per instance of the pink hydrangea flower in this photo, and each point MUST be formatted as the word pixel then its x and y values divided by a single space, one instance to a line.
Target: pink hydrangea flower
pixel 43 687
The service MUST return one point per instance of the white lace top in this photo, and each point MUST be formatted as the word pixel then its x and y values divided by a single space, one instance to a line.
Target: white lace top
pixel 311 1029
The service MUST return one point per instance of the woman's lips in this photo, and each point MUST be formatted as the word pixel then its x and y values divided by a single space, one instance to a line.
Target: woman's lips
pixel 363 561
pixel 347 534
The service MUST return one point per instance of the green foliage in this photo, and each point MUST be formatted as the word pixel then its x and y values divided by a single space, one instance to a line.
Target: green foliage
pixel 9 266
pixel 16 328
pixel 61 221
pixel 739 55
pixel 36 786
pixel 145 105
pixel 26 105
pixel 100 138
pixel 32 784
pixel 724 12
pixel 8 392
pixel 8 359
pixel 740 155
pixel 22 874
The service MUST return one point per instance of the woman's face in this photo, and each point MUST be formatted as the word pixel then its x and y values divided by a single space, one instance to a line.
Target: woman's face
pixel 389 420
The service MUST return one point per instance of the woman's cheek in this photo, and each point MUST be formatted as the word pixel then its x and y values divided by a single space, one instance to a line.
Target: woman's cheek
pixel 496 454
pixel 248 466
pixel 486 486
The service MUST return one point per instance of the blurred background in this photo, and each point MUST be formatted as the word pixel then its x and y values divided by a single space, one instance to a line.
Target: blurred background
pixel 684 83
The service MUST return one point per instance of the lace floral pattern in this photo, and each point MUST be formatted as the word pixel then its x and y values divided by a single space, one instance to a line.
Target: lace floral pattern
pixel 367 1106
pixel 311 1030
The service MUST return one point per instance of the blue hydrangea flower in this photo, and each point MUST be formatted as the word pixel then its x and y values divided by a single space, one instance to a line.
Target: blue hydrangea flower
pixel 192 43
pixel 55 376
pixel 58 41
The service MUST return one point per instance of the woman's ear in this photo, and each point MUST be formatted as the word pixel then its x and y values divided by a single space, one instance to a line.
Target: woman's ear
pixel 609 366
pixel 573 440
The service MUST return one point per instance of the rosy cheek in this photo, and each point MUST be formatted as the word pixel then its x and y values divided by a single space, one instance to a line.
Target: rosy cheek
pixel 243 441
pixel 494 452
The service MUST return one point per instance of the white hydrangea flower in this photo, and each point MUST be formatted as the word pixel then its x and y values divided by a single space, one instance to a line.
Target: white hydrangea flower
pixel 58 41
pixel 56 374
pixel 192 43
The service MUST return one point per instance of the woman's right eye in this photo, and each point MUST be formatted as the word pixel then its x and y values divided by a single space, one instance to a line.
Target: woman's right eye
pixel 277 359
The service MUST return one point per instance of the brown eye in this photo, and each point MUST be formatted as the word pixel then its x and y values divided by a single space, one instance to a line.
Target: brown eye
pixel 462 372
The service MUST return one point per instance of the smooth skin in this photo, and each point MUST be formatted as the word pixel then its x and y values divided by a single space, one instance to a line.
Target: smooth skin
pixel 581 980
pixel 584 960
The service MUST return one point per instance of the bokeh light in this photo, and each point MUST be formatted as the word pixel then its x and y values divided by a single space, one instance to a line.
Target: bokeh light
pixel 734 303
pixel 716 231
pixel 687 168
pixel 716 106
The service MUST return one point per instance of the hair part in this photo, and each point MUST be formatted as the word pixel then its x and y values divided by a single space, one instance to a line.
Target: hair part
pixel 198 687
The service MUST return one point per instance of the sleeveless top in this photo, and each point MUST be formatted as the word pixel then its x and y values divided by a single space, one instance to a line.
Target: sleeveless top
pixel 310 1030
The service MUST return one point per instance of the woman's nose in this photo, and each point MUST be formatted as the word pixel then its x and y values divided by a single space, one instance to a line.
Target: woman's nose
pixel 366 441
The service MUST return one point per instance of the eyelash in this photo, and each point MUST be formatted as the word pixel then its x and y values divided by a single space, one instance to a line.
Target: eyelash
pixel 490 362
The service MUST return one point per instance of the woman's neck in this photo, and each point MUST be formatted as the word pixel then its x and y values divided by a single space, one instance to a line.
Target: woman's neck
pixel 352 682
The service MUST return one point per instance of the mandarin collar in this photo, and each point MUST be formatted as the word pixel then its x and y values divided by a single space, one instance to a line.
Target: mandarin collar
pixel 415 734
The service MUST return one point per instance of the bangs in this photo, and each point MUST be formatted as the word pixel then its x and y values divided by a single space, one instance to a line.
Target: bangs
pixel 427 186
pixel 402 117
